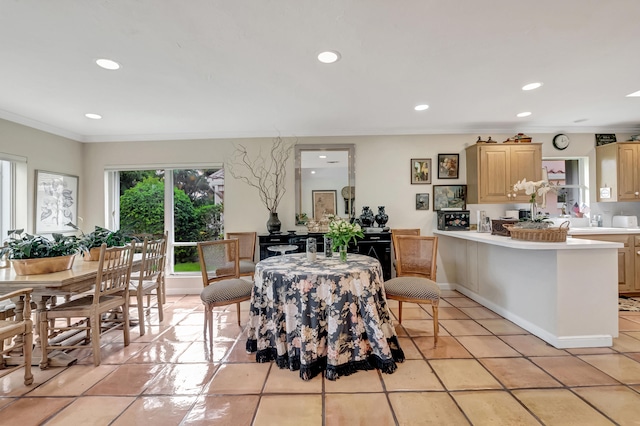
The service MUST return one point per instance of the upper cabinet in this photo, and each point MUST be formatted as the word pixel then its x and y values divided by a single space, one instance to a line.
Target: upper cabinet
pixel 617 175
pixel 493 169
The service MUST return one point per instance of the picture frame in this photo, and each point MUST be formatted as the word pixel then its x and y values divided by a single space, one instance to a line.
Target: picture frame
pixel 448 166
pixel 421 171
pixel 452 197
pixel 56 202
pixel 422 201
pixel 324 202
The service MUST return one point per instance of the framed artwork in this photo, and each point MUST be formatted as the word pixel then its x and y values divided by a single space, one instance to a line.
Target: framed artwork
pixel 448 166
pixel 422 201
pixel 421 170
pixel 449 197
pixel 56 202
pixel 324 202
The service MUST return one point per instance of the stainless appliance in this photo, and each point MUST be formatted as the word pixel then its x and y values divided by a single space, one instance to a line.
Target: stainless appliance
pixel 624 222
pixel 453 220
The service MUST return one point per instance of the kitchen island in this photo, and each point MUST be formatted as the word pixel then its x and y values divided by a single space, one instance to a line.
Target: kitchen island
pixel 565 293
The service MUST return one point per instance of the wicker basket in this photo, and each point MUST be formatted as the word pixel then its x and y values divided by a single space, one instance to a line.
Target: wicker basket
pixel 548 235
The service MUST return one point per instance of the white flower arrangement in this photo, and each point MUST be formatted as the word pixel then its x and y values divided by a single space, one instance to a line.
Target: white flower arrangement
pixel 341 232
pixel 534 189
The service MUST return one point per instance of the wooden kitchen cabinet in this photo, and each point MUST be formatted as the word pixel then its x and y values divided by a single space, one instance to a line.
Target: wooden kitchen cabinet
pixel 493 169
pixel 628 259
pixel 617 167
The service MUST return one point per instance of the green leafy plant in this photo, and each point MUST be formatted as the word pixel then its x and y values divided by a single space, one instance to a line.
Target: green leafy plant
pixel 20 245
pixel 99 236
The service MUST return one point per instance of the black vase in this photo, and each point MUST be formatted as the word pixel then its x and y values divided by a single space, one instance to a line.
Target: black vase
pixel 381 217
pixel 273 224
pixel 366 218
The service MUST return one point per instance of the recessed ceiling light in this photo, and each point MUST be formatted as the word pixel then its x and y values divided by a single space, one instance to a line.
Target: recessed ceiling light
pixel 108 64
pixel 523 114
pixel 313 172
pixel 421 107
pixel 634 94
pixel 93 116
pixel 531 86
pixel 329 57
pixel 322 156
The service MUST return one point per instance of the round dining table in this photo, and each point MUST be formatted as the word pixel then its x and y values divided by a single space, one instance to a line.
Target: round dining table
pixel 322 315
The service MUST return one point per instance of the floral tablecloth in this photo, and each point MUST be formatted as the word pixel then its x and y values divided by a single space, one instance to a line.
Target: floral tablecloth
pixel 322 315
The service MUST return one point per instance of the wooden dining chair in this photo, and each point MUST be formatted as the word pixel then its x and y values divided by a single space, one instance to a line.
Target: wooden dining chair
pixel 148 281
pixel 110 295
pixel 247 249
pixel 220 267
pixel 416 275
pixel 19 331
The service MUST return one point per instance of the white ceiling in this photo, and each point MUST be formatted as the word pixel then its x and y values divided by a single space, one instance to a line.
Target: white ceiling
pixel 226 69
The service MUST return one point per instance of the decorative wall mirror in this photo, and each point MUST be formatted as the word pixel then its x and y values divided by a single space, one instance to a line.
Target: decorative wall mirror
pixel 325 181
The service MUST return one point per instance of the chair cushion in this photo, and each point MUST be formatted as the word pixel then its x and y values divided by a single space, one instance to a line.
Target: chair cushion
pixel 247 266
pixel 413 288
pixel 146 286
pixel 224 290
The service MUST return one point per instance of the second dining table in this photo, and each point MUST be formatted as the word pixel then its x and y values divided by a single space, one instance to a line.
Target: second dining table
pixel 80 278
pixel 322 315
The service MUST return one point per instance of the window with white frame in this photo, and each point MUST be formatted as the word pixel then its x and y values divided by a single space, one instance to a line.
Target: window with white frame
pixel 571 178
pixel 13 189
pixel 186 202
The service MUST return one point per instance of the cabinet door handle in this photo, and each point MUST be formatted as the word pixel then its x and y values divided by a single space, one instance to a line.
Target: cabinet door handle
pixel 636 193
pixel 508 195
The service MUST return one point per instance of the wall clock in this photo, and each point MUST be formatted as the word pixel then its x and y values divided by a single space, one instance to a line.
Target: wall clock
pixel 561 141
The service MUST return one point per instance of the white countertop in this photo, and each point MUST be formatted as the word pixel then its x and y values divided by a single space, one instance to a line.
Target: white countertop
pixel 570 244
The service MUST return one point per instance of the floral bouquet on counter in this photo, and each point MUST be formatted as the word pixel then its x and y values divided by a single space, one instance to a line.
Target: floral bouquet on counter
pixel 341 232
pixel 535 189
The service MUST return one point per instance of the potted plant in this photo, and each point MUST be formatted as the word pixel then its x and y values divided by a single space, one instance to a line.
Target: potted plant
pixel 35 254
pixel 90 243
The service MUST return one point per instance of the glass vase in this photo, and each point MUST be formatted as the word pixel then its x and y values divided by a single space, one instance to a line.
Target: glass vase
pixel 343 253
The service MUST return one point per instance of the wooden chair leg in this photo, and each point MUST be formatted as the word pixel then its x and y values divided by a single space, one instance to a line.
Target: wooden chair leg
pixel 139 299
pixel 95 338
pixel 159 304
pixel 436 327
pixel 44 340
pixel 238 311
pixel 400 312
pixel 27 351
pixel 210 314
pixel 125 323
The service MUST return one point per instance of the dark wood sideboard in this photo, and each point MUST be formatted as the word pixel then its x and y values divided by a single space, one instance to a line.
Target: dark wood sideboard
pixel 376 245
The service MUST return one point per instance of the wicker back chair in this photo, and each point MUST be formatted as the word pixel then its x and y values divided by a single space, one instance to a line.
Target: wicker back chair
pixel 416 275
pixel 247 251
pixel 220 268
pixel 401 231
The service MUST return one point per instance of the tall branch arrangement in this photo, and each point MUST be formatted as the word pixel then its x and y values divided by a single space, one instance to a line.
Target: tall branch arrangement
pixel 267 173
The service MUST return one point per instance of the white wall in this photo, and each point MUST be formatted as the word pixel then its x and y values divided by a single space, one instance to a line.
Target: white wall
pixel 43 151
pixel 382 171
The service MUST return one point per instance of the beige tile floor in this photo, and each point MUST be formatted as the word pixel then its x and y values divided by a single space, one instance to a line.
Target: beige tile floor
pixel 485 371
